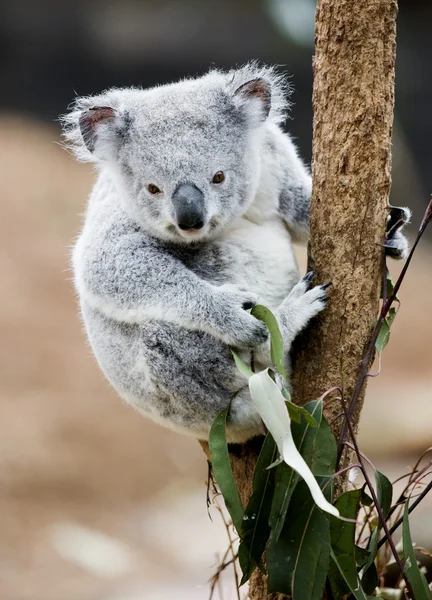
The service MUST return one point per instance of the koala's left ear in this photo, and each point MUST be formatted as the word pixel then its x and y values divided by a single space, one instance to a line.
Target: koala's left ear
pixel 254 97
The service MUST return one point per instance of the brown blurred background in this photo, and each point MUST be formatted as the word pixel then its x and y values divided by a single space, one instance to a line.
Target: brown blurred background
pixel 97 503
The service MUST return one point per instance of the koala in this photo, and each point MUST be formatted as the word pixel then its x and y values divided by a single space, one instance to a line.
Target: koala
pixel 199 197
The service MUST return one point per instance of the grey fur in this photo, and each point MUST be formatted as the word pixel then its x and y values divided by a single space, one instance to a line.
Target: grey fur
pixel 162 307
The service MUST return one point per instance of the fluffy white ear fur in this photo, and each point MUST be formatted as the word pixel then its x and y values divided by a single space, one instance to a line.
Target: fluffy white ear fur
pixel 255 98
pixel 261 91
pixel 96 125
pixel 93 128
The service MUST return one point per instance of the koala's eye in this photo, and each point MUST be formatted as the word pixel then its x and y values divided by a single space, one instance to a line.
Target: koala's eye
pixel 218 177
pixel 153 189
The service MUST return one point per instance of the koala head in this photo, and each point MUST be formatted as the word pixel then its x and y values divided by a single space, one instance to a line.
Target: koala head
pixel 185 157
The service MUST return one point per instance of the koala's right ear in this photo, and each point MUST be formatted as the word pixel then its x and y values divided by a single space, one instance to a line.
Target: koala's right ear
pixel 95 125
pixel 94 133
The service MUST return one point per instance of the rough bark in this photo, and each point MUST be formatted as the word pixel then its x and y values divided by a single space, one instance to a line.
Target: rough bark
pixel 353 113
pixel 353 101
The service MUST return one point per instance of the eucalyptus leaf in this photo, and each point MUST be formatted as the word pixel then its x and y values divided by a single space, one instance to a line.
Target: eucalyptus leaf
pixel 270 404
pixel 370 579
pixel 361 556
pixel 298 562
pixel 277 353
pixel 390 286
pixel 296 412
pixel 413 574
pixel 222 469
pixel 318 448
pixel 343 575
pixel 241 365
pixel 384 490
pixel 366 499
pixel 306 414
pixel 295 460
pixel 384 333
pixel 256 529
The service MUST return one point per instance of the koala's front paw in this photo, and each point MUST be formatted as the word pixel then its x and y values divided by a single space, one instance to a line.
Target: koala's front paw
pixel 300 306
pixel 238 327
pixel 306 299
pixel 396 244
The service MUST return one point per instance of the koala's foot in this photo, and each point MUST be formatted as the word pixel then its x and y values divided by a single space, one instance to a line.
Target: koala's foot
pixel 244 422
pixel 396 244
pixel 300 306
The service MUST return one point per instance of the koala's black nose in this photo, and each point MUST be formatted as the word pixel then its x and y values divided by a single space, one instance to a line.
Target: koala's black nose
pixel 187 226
pixel 188 201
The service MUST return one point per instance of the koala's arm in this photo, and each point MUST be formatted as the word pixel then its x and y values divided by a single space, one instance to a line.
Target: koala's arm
pixel 295 186
pixel 134 281
pixel 295 196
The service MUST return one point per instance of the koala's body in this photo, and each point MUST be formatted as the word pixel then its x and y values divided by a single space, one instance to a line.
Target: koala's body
pixel 190 223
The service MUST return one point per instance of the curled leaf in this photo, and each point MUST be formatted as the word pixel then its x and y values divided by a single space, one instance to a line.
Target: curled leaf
pixel 270 404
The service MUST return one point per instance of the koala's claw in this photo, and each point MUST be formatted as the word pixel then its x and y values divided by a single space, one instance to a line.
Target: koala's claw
pixel 396 244
pixel 248 305
pixel 308 276
pixel 326 285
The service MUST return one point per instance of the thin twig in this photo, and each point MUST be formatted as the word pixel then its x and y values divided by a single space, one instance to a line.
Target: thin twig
pixel 233 553
pixel 374 497
pixel 367 358
pixel 403 497
pixel 399 522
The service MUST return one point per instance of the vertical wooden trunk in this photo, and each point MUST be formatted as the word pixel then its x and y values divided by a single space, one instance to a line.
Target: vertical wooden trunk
pixel 353 102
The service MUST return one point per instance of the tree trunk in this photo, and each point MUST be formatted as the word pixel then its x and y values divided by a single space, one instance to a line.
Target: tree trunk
pixel 353 101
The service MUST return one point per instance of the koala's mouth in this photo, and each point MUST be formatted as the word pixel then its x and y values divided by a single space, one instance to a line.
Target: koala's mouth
pixel 191 233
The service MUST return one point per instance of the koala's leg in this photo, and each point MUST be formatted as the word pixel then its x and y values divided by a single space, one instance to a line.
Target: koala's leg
pixel 396 244
pixel 299 307
pixel 194 378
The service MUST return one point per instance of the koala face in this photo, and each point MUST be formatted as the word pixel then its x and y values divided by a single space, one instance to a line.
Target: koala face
pixel 189 173
pixel 185 156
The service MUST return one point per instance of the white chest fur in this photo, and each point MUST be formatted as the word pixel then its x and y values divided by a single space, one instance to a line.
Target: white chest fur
pixel 265 262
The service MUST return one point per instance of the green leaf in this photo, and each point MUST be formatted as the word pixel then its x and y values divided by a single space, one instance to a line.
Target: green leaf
pixel 412 572
pixel 298 562
pixel 361 555
pixel 222 469
pixel 310 420
pixel 241 366
pixel 277 353
pixel 287 478
pixel 352 583
pixel 370 579
pixel 256 529
pixel 366 499
pixel 343 575
pixel 384 333
pixel 390 286
pixel 384 491
pixel 318 447
pixel 296 412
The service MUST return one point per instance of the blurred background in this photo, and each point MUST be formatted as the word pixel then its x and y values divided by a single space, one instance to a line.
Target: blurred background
pixel 97 503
